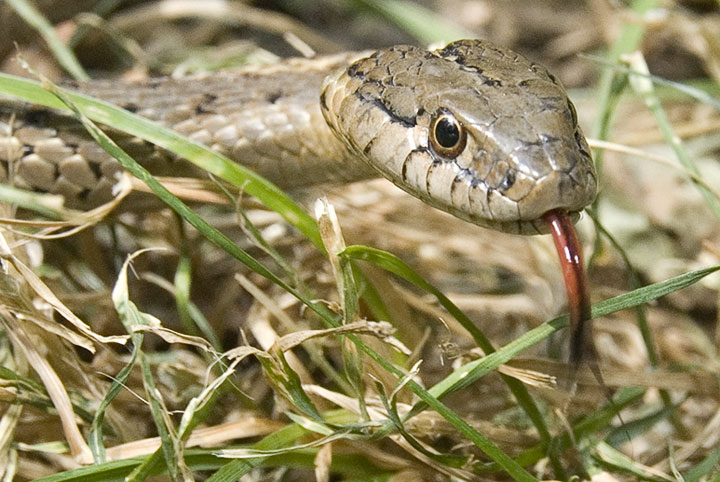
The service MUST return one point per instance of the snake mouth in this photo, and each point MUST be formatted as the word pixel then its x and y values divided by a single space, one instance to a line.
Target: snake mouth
pixel 542 226
pixel 560 224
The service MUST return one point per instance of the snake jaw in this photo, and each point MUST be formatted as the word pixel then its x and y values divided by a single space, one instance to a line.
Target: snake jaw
pixel 570 254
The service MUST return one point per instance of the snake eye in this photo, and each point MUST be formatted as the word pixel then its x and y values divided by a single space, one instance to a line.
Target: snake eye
pixel 447 135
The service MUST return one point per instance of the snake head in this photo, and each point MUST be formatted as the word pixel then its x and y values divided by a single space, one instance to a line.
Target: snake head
pixel 472 129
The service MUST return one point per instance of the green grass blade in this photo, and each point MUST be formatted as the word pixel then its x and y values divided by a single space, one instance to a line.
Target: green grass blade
pixel 634 428
pixel 474 370
pixel 106 472
pixel 395 265
pixel 705 468
pixel 418 21
pixel 502 459
pixel 702 93
pixel 354 467
pixel 591 424
pixel 64 55
pixel 630 37
pixel 30 200
pixel 131 317
pixel 610 456
pixel 398 267
pixel 201 156
pixel 643 86
pixel 237 468
pixel 178 206
pixel 95 438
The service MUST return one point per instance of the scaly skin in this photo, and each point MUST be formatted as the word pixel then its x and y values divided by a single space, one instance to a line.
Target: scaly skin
pixel 514 151
pixel 525 154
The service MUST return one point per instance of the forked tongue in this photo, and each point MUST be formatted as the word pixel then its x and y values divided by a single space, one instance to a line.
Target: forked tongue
pixel 568 248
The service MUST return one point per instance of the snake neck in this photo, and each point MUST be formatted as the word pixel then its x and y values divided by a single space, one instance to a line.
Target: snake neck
pixel 266 119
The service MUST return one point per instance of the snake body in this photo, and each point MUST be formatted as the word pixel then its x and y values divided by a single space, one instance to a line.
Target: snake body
pixel 473 129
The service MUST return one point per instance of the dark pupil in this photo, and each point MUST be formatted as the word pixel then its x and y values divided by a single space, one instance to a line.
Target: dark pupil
pixel 447 133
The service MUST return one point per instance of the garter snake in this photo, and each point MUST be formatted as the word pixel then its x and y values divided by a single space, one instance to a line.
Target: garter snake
pixel 471 128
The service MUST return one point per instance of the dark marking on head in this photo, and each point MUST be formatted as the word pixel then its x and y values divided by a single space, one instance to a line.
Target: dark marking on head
pixel 462 174
pixel 405 163
pixel 582 144
pixel 272 97
pixel 507 181
pixel 417 150
pixel 551 102
pixel 355 72
pixel 405 121
pixel 451 50
pixel 458 53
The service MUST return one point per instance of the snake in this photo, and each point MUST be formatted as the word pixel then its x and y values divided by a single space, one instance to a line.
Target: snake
pixel 471 128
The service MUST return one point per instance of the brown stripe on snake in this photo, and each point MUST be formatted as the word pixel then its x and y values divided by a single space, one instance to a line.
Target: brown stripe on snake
pixel 472 129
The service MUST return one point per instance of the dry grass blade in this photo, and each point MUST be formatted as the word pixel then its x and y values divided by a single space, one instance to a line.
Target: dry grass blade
pixel 226 355
pixel 234 11
pixel 70 221
pixel 701 382
pixel 246 428
pixel 51 381
pixel 46 294
pixel 382 330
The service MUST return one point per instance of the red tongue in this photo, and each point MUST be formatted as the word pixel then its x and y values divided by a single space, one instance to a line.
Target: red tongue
pixel 568 249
